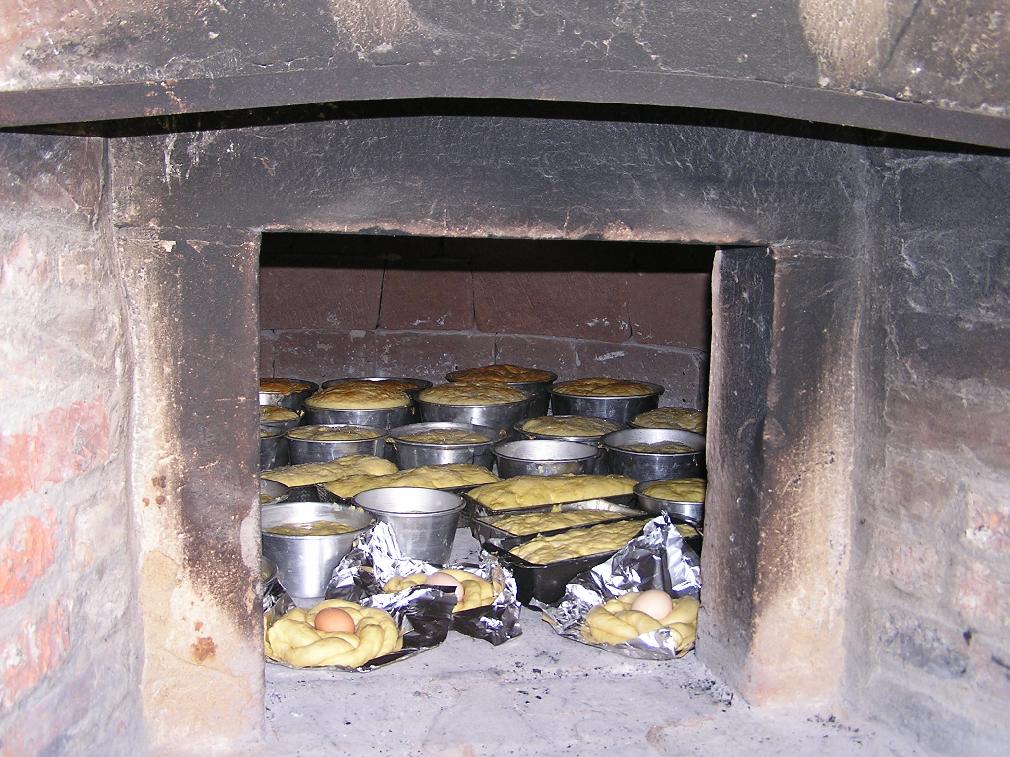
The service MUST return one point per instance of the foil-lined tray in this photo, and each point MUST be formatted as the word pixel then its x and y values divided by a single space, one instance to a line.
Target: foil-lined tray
pixel 658 558
pixel 475 509
pixel 374 560
pixel 546 582
pixel 325 495
pixel 485 530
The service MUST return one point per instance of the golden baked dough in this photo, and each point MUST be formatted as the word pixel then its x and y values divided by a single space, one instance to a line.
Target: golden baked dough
pixel 471 394
pixel 317 473
pixel 526 491
pixel 683 418
pixel 579 542
pixel 283 385
pixel 568 425
pixel 476 591
pixel 276 414
pixel 678 490
pixel 604 387
pixel 501 372
pixel 358 395
pixel 614 622
pixel 425 476
pixel 319 527
pixel 295 640
pixel 534 523
pixel 333 433
pixel 390 383
pixel 445 436
pixel 665 448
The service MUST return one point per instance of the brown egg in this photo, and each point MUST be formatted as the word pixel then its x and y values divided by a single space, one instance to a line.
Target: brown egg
pixel 334 620
pixel 444 579
pixel 654 603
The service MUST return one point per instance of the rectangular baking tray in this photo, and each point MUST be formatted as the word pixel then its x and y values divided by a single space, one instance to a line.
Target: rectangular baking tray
pixel 546 583
pixel 485 530
pixel 327 496
pixel 476 510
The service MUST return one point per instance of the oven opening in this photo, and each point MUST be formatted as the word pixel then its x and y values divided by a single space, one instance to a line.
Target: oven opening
pixel 343 306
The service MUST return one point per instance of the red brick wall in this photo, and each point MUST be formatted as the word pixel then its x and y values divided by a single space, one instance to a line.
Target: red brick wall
pixel 69 635
pixel 333 306
pixel 931 625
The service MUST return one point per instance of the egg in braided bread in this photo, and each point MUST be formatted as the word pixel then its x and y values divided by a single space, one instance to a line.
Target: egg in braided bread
pixel 475 591
pixel 294 638
pixel 617 621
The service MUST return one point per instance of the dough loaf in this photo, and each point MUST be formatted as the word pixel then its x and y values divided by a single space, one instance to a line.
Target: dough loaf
pixel 501 372
pixel 604 387
pixel 426 476
pixel 320 527
pixel 476 591
pixel 317 473
pixel 276 413
pixel 678 490
pixel 358 395
pixel 471 394
pixel 579 542
pixel 295 640
pixel 534 523
pixel 527 491
pixel 333 433
pixel 666 448
pixel 445 436
pixel 283 385
pixel 568 425
pixel 683 418
pixel 614 622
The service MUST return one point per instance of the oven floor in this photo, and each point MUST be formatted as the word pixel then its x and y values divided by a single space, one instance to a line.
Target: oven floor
pixel 539 694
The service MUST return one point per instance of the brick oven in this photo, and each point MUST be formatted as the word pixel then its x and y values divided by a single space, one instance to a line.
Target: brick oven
pixel 830 184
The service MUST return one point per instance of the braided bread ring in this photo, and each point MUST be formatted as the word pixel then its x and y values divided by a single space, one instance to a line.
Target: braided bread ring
pixel 614 622
pixel 476 591
pixel 295 640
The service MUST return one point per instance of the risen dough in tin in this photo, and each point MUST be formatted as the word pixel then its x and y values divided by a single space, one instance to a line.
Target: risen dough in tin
pixel 523 491
pixel 333 433
pixel 319 527
pixel 316 473
pixel 389 383
pixel 426 476
pixel 445 436
pixel 604 387
pixel 275 413
pixel 683 418
pixel 501 372
pixel 678 490
pixel 295 640
pixel 533 523
pixel 665 448
pixel 568 425
pixel 358 395
pixel 471 394
pixel 579 542
pixel 476 591
pixel 615 622
pixel 283 385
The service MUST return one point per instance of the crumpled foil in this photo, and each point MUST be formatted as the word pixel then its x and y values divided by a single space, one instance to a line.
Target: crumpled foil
pixel 656 559
pixel 423 624
pixel 376 558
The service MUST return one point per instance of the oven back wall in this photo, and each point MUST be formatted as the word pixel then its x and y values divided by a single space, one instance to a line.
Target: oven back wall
pixel 339 305
pixel 71 651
